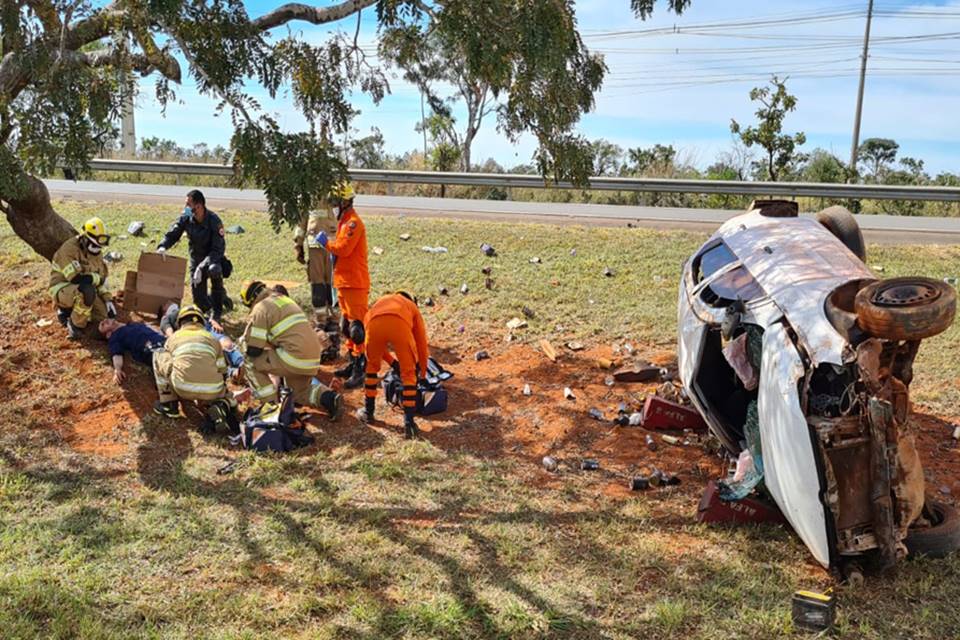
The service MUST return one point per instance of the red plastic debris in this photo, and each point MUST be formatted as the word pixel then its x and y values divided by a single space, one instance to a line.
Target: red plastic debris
pixel 747 510
pixel 660 414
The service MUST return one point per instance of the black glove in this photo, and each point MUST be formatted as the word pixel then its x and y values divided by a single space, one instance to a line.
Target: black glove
pixel 82 278
pixel 301 258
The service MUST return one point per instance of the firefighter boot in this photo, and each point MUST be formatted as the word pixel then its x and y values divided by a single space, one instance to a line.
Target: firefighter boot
pixel 410 430
pixel 73 331
pixel 359 375
pixel 167 409
pixel 332 351
pixel 347 371
pixel 217 416
pixel 63 315
pixel 333 403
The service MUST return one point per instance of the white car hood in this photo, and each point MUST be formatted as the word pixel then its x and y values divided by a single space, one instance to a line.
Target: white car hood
pixel 798 263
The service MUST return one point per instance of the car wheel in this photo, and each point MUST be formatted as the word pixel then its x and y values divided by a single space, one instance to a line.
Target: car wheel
pixel 941 538
pixel 843 225
pixel 905 308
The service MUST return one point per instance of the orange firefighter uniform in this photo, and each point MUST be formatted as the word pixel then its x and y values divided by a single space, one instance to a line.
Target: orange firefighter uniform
pixel 395 322
pixel 283 344
pixel 191 366
pixel 317 259
pixel 351 275
pixel 70 261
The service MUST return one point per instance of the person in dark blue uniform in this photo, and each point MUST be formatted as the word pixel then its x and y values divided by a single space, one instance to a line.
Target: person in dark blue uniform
pixel 205 232
pixel 135 338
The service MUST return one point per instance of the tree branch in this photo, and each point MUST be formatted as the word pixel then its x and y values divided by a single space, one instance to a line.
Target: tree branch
pixel 101 24
pixel 145 64
pixel 315 15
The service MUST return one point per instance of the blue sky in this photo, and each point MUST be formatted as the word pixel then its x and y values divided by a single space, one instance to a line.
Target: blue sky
pixel 682 88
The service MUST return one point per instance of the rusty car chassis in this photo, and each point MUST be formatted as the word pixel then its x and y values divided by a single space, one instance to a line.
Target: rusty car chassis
pixel 833 349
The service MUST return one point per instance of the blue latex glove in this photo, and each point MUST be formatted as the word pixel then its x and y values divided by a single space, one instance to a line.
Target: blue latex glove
pixel 322 239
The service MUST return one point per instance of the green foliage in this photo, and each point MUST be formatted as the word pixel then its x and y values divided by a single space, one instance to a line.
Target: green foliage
pixel 67 67
pixel 607 158
pixel 655 160
pixel 823 166
pixel 878 153
pixel 296 170
pixel 780 148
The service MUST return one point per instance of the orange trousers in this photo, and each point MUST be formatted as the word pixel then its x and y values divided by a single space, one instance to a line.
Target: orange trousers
pixel 353 306
pixel 385 332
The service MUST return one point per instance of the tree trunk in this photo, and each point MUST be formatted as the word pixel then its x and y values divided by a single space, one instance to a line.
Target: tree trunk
pixel 34 220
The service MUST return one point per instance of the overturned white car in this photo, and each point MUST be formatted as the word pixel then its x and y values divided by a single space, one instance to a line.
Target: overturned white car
pixel 795 352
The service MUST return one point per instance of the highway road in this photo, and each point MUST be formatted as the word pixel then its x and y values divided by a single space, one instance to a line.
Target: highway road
pixel 876 228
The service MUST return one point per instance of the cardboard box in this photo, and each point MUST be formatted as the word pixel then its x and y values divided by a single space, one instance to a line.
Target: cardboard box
pixel 157 279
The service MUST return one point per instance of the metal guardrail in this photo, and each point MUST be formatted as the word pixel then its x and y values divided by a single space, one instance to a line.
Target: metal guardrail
pixel 507 180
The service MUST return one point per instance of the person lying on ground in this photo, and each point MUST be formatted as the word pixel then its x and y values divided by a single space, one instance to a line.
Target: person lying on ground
pixel 136 338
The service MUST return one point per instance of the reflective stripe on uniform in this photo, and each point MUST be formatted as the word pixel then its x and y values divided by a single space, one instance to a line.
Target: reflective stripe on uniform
pixel 282 301
pixel 297 363
pixel 265 391
pixel 258 333
pixel 281 327
pixel 203 349
pixel 199 387
pixel 57 288
pixel 70 269
pixel 221 363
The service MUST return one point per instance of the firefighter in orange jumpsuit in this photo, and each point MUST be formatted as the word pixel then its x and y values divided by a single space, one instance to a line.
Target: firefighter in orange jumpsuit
pixel 351 277
pixel 394 321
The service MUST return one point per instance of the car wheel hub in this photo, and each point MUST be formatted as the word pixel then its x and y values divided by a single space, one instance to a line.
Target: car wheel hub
pixel 905 294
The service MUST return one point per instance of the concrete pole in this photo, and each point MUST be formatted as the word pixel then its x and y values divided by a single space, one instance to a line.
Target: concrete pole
pixel 863 76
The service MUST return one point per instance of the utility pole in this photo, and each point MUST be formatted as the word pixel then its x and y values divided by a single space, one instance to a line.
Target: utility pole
pixel 423 126
pixel 863 76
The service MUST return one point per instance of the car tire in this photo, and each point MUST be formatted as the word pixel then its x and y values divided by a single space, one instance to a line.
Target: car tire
pixel 941 538
pixel 905 308
pixel 841 223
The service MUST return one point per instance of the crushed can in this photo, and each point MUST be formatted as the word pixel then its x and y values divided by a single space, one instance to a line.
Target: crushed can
pixel 550 463
pixel 651 443
pixel 596 414
pixel 639 483
pixel 814 611
pixel 589 465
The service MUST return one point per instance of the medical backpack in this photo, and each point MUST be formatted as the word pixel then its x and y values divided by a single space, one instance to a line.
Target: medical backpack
pixel 431 396
pixel 275 426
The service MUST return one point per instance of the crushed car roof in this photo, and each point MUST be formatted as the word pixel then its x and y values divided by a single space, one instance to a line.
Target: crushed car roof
pixel 798 263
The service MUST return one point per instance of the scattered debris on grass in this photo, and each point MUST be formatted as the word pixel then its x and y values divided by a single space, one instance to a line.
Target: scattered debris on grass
pixel 488 250
pixel 378 251
pixel 575 346
pixel 405 236
pixel 113 256
pixel 516 323
pixel 535 260
pixel 589 465
pixel 481 355
pixel 443 291
pixel 607 272
pixel 235 229
pixel 44 322
pixel 437 249
pixel 528 391
pixel 550 463
pixel 548 350
pixel 136 228
pixel 568 393
pixel 428 301
pixel 464 289
pixel 528 312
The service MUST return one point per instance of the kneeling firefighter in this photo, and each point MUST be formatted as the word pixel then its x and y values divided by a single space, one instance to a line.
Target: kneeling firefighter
pixel 192 366
pixel 351 277
pixel 78 279
pixel 394 321
pixel 280 341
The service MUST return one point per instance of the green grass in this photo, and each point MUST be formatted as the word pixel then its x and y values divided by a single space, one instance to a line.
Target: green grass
pixel 390 539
